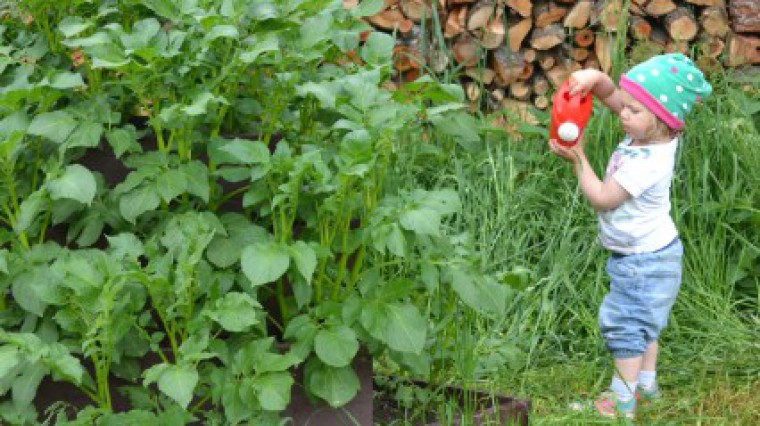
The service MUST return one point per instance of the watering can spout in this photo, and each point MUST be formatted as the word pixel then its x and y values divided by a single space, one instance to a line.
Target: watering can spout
pixel 569 115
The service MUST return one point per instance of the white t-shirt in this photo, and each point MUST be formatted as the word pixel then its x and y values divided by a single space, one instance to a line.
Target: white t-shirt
pixel 642 224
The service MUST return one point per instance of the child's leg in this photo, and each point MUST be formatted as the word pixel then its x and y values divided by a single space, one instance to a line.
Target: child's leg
pixel 628 368
pixel 649 363
pixel 648 389
pixel 626 377
pixel 648 373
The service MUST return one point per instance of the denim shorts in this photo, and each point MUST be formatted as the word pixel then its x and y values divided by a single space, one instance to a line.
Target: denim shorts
pixel 643 288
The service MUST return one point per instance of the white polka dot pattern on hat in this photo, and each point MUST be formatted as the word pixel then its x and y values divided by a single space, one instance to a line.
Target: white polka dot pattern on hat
pixel 672 81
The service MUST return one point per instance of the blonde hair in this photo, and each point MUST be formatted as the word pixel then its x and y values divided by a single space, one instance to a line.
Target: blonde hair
pixel 660 130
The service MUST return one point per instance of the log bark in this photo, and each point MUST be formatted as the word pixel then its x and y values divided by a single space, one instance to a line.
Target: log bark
pixel 707 2
pixel 541 102
pixel 523 7
pixel 520 90
pixel 743 50
pixel 492 36
pixel 745 15
pixel 480 14
pixel 641 28
pixel 466 50
pixel 507 65
pixel 519 49
pixel 558 74
pixel 584 37
pixel 483 75
pixel 416 10
pixel 710 46
pixel 659 7
pixel 517 33
pixel 578 16
pixel 603 50
pixel 455 22
pixel 548 37
pixel 540 85
pixel 608 14
pixel 546 12
pixel 681 24
pixel 714 21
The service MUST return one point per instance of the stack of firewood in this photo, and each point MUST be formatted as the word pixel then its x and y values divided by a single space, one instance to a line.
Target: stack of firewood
pixel 514 51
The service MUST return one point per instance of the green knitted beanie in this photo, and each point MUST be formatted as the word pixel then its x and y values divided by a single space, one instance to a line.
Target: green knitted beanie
pixel 668 85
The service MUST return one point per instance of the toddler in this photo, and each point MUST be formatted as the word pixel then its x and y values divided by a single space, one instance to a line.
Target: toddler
pixel 633 205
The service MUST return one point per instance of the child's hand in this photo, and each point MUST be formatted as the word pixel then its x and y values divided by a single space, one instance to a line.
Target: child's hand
pixel 583 81
pixel 572 153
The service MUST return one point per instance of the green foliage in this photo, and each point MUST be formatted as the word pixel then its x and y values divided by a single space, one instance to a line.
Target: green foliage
pixel 206 105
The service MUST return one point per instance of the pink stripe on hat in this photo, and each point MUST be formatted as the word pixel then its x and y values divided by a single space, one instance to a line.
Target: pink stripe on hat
pixel 641 95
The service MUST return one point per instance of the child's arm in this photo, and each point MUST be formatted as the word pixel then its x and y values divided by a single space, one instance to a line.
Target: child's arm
pixel 600 84
pixel 602 195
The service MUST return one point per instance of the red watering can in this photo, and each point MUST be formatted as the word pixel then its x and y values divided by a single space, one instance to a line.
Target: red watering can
pixel 569 115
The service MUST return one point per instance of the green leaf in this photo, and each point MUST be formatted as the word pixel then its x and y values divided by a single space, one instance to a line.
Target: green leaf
pixel 346 40
pixel 170 9
pixel 269 44
pixel 273 390
pixel 76 183
pixel 107 55
pixel 378 49
pixel 73 25
pixel 421 221
pixel 374 318
pixel 16 122
pixel 479 293
pixel 407 329
pixel 138 201
pixel 337 386
pixel 222 31
pixel 367 8
pixel 178 383
pixel 389 236
pixel 87 135
pixel 200 103
pixel 56 126
pixel 66 80
pixel 462 127
pixel 9 359
pixel 171 184
pixel 123 140
pixel 196 174
pixel 264 262
pixel 235 312
pixel 65 365
pixel 322 91
pixel 26 384
pixel 4 261
pixel 305 258
pixel 244 152
pixel 33 205
pixel 316 29
pixel 336 346
pixel 143 32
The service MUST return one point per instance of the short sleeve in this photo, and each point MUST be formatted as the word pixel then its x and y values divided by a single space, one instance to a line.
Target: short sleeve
pixel 638 175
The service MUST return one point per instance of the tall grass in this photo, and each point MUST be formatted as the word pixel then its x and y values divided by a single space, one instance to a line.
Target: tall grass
pixel 522 208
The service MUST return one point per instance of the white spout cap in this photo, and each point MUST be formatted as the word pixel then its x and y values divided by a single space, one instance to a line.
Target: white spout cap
pixel 568 131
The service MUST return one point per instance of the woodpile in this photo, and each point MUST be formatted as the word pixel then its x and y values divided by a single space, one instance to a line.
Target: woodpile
pixel 510 52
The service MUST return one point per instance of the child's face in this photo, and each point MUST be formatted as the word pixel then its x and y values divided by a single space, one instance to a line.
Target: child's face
pixel 639 122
